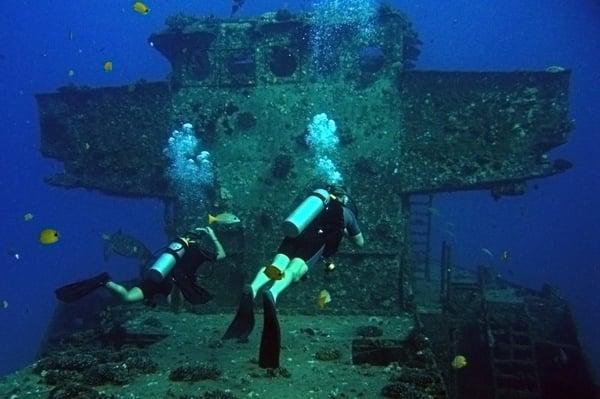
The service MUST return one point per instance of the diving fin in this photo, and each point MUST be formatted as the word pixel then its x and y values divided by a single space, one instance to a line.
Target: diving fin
pixel 270 342
pixel 192 292
pixel 72 292
pixel 243 323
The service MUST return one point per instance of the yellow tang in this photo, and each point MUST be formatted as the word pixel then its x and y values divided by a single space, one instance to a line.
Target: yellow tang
pixel 140 8
pixel 323 299
pixel 107 66
pixel 273 272
pixel 48 236
pixel 459 362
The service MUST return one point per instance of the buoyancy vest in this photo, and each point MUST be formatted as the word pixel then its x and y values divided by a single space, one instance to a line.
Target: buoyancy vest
pixel 327 227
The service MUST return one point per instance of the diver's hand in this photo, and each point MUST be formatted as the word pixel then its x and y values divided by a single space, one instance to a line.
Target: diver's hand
pixel 210 231
pixel 207 230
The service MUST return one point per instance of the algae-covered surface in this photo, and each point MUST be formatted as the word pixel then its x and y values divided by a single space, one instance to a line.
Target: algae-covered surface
pixel 316 361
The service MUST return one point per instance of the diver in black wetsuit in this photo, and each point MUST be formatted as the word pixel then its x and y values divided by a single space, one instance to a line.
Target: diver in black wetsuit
pixel 317 228
pixel 173 274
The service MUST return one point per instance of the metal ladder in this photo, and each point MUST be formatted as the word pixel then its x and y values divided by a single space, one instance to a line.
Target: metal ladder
pixel 419 232
pixel 512 353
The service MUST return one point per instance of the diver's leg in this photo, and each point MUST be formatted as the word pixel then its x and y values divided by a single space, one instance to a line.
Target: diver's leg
pixel 280 261
pixel 75 291
pixel 294 272
pixel 133 295
pixel 270 341
pixel 243 322
pixel 175 299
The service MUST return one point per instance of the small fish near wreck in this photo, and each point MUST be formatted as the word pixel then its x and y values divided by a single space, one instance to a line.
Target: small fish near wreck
pixel 273 272
pixel 49 236
pixel 459 362
pixel 140 8
pixel 125 245
pixel 487 252
pixel 107 66
pixel 323 299
pixel 223 218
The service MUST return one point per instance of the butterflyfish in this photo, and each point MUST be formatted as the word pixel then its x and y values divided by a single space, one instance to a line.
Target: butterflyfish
pixel 323 299
pixel 273 272
pixel 108 66
pixel 459 362
pixel 49 236
pixel 141 8
pixel 223 218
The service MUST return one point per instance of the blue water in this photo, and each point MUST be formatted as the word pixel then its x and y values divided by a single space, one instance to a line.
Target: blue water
pixel 552 232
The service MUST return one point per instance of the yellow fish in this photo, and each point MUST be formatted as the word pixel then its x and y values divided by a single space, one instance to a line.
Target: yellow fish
pixel 323 299
pixel 27 217
pixel 223 218
pixel 48 236
pixel 273 272
pixel 108 66
pixel 459 362
pixel 140 8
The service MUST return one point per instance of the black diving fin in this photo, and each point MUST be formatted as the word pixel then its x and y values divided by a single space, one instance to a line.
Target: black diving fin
pixel 270 342
pixel 192 292
pixel 72 292
pixel 243 323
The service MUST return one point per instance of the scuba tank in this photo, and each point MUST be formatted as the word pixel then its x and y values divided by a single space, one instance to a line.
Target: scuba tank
pixel 168 259
pixel 305 213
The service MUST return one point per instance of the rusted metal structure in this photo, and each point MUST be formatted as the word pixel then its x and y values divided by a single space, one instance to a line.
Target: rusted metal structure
pixel 249 89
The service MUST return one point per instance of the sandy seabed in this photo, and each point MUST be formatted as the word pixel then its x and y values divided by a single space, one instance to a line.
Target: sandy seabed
pixel 195 338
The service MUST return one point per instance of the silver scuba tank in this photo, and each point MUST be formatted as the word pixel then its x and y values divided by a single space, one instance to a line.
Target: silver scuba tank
pixel 305 213
pixel 167 260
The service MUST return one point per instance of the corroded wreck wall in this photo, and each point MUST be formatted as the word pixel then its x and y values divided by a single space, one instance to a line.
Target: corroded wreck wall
pixel 487 130
pixel 109 139
pixel 249 89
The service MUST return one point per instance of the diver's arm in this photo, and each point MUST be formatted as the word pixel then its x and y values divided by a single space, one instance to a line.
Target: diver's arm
pixel 219 248
pixel 357 239
pixel 133 295
pixel 351 228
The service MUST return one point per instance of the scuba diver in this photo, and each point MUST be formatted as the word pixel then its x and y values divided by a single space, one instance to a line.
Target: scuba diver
pixel 313 232
pixel 173 274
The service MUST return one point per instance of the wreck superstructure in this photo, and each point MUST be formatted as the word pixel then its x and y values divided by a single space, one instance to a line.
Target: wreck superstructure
pixel 250 88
